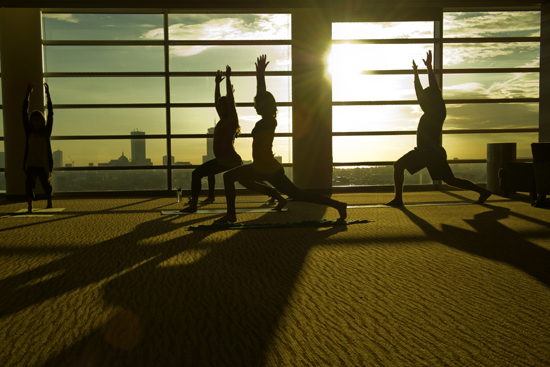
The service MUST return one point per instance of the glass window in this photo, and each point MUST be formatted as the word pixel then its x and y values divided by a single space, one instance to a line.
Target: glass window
pixel 201 89
pixel 474 146
pixel 371 148
pixel 240 58
pixel 492 116
pixel 93 59
pixel 491 55
pixel 491 85
pixel 199 120
pixel 127 180
pixel 109 153
pixel 375 118
pixel 374 88
pixel 229 26
pixel 382 30
pixel 109 121
pixel 107 90
pixel 101 27
pixel 348 59
pixel 2 120
pixel 491 24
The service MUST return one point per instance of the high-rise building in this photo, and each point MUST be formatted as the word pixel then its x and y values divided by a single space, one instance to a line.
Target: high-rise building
pixel 209 147
pixel 138 149
pixel 165 160
pixel 57 158
pixel 2 160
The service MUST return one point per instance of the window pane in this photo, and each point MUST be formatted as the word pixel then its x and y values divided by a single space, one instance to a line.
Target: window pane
pixel 375 176
pixel 382 30
pixel 100 90
pixel 229 27
pixel 375 118
pixel 371 148
pixel 492 116
pixel 492 24
pixel 474 146
pixel 201 89
pixel 199 120
pixel 1 121
pixel 349 59
pixel 497 85
pixel 240 58
pixel 2 165
pixel 101 27
pixel 127 152
pixel 132 180
pixel 112 121
pixel 491 55
pixel 374 88
pixel 92 59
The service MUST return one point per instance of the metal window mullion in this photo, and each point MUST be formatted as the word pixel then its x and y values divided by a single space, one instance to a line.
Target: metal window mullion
pixel 168 100
pixel 230 43
pixel 103 43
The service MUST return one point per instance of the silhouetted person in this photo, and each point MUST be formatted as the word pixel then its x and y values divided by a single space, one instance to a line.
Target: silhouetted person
pixel 264 166
pixel 224 137
pixel 429 152
pixel 38 160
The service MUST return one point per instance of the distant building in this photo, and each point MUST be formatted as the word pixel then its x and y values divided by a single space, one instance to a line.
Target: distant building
pixel 138 151
pixel 2 160
pixel 165 160
pixel 57 158
pixel 121 161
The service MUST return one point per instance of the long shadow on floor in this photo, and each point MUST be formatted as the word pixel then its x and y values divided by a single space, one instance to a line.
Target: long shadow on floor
pixel 492 240
pixel 203 300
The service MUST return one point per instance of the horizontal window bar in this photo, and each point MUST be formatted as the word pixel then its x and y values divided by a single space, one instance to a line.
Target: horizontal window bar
pixel 161 105
pixel 413 132
pixel 162 73
pixel 152 136
pixel 437 40
pixel 133 168
pixel 447 101
pixel 490 39
pixel 451 71
pixel 390 163
pixel 170 43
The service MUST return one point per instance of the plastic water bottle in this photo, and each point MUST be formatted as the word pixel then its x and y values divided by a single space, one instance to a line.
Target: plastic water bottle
pixel 179 193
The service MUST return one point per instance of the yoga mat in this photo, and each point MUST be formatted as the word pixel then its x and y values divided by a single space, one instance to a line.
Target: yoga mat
pixel 407 205
pixel 306 223
pixel 35 213
pixel 223 211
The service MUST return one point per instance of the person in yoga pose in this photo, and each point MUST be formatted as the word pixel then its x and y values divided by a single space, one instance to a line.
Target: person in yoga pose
pixel 264 166
pixel 429 152
pixel 224 137
pixel 38 160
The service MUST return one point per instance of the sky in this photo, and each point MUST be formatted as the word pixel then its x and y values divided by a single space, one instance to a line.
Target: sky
pixel 348 67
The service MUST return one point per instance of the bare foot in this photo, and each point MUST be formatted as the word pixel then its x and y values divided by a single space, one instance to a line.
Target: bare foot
pixel 209 199
pixel 281 204
pixel 395 202
pixel 343 211
pixel 189 209
pixel 483 196
pixel 228 218
pixel 49 205
pixel 272 200
pixel 29 210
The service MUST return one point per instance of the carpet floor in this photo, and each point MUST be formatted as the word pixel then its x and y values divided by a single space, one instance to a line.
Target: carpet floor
pixel 112 282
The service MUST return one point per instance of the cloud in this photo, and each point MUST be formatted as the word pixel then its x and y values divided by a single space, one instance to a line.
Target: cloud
pixel 491 24
pixel 62 17
pixel 187 50
pixel 513 54
pixel 264 27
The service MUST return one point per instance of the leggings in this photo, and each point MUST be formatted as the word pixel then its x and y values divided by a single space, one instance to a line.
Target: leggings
pixel 43 176
pixel 277 179
pixel 213 167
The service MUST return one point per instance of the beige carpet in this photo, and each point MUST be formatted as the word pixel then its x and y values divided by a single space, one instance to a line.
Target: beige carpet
pixel 111 282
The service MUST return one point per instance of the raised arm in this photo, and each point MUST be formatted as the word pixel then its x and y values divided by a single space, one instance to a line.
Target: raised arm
pixel 49 122
pixel 261 65
pixel 231 109
pixel 217 93
pixel 25 112
pixel 431 75
pixel 417 84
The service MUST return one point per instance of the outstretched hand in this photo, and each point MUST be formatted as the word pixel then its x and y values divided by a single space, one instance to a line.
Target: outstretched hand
pixel 227 70
pixel 261 63
pixel 428 61
pixel 415 67
pixel 30 87
pixel 219 77
pixel 47 88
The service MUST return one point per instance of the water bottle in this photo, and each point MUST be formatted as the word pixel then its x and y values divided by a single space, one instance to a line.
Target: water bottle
pixel 179 193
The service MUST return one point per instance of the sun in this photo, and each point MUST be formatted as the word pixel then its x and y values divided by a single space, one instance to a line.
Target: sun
pixel 343 61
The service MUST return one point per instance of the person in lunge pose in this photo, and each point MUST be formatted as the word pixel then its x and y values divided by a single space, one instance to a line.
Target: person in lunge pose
pixel 224 137
pixel 264 166
pixel 429 152
pixel 38 160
